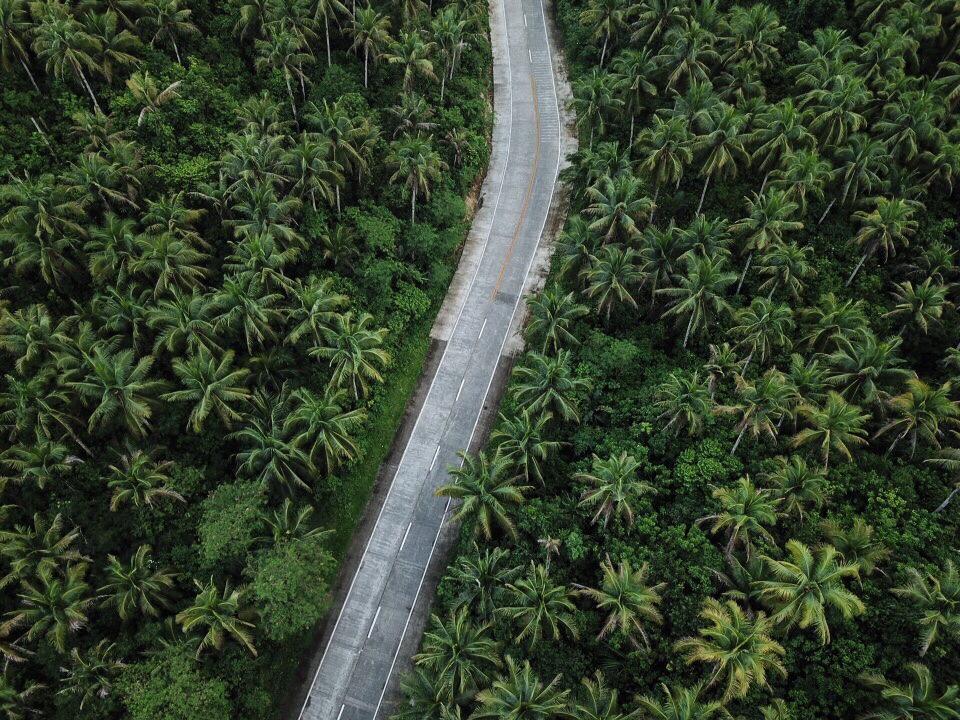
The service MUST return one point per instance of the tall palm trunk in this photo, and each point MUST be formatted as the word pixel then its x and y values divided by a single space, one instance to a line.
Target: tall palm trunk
pixel 326 28
pixel 366 65
pixel 943 505
pixel 83 80
pixel 736 444
pixel 656 192
pixel 293 104
pixel 29 74
pixel 703 194
pixel 824 216
pixel 686 337
pixel 176 50
pixel 603 53
pixel 413 206
pixel 863 259
pixel 776 284
pixel 743 275
pixel 763 185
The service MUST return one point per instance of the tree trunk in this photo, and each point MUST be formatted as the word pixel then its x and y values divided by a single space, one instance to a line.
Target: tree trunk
pixel 176 50
pixel 326 27
pixel 83 80
pixel 29 74
pixel 824 216
pixel 893 445
pixel 863 259
pixel 633 120
pixel 603 53
pixel 366 63
pixel 443 85
pixel 686 337
pixel 746 364
pixel 743 275
pixel 293 104
pixel 337 187
pixel 656 192
pixel 776 284
pixel 743 430
pixel 763 185
pixel 946 502
pixel 313 198
pixel 413 207
pixel 703 195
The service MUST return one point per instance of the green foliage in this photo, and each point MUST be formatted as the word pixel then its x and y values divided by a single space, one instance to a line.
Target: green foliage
pixel 170 685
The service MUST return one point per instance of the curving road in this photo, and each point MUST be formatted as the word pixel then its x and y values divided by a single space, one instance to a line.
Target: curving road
pixel 363 650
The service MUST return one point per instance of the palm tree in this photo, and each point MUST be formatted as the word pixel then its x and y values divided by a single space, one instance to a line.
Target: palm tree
pixel 119 384
pixel 488 490
pixel 923 303
pixel 54 606
pixel 744 512
pixel 865 366
pixel 617 487
pixel 482 578
pixel 140 480
pixel 611 277
pixel 686 402
pixel 700 295
pixel 594 100
pixel 856 544
pixel 888 225
pixel 767 221
pixel 918 414
pixel 520 695
pixel 917 699
pixel 783 131
pixel 370 30
pixel 450 28
pixel 212 386
pixel 268 453
pixel 606 19
pixel 328 9
pixel 165 18
pixel 836 108
pixel 287 52
pixel 413 53
pixel 521 440
pixel 539 607
pixel 416 164
pixel 41 549
pixel 739 647
pixel 756 32
pixel 354 351
pixel 219 614
pixel 833 322
pixel 317 305
pixel 14 31
pixel 762 405
pixel 937 598
pixel 461 656
pixel 681 703
pixel 763 327
pixel 788 266
pixel 803 172
pixel 325 426
pixel 619 206
pixel 551 316
pixel 665 152
pixel 92 673
pixel 654 18
pixel 314 174
pixel 16 704
pixel 62 43
pixel 804 586
pixel 688 54
pixel 628 599
pixel 547 383
pixel 184 323
pixel 837 425
pixel 863 164
pixel 722 147
pixel 41 461
pixel 115 47
pixel 138 587
pixel 798 486
pixel 634 69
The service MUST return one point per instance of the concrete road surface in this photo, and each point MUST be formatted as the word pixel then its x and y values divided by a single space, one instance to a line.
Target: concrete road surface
pixel 352 678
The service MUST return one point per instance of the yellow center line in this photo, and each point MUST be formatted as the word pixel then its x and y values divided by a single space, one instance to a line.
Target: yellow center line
pixel 526 198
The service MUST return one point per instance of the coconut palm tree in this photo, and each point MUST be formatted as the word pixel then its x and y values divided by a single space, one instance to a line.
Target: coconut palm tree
pixel 864 163
pixel 763 326
pixel 665 152
pixel 761 404
pixel 40 461
pixel 137 587
pixel 630 601
pixel 617 487
pixel 689 53
pixel 15 704
pixel 520 438
pixel 412 52
pixel 936 596
pixel 520 695
pixel 481 577
pixel 450 28
pixel 416 164
pixel 548 384
pixel 856 544
pixel 635 69
pixel 487 487
pixel 539 607
pixel 681 703
pixel 354 351
pixel 619 206
pixel 64 46
pixel 686 402
pixel 218 614
pixel 787 266
pixel 370 30
pixel 328 9
pixel 140 480
pixel 43 548
pixel 756 32
pixel 807 584
pixel 287 52
pixel 745 512
pixel 551 316
pixel 325 427
pixel 865 366
pixel 923 303
pixel 722 147
pixel 802 173
pixel 611 278
pixel 460 655
pixel 768 218
pixel 213 386
pixel 700 294
pixel 15 28
pixel 53 605
pixel 595 101
pixel 740 648
pixel 783 130
pixel 798 486
pixel 917 699
pixel 919 413
pixel 91 674
pixel 837 425
pixel 167 19
pixel 607 20
pixel 888 225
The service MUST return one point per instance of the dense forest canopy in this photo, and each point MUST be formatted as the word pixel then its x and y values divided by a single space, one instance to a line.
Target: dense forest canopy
pixel 722 484
pixel 225 229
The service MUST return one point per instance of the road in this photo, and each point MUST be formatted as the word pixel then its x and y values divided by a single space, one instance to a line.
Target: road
pixel 363 649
